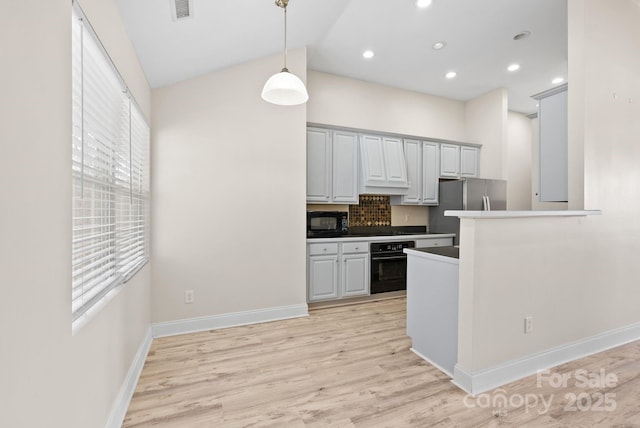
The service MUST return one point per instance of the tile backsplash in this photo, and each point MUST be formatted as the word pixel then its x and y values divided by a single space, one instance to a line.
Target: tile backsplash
pixel 373 210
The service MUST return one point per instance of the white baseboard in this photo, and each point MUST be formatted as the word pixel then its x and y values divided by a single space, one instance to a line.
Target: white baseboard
pixel 123 399
pixel 193 325
pixel 487 379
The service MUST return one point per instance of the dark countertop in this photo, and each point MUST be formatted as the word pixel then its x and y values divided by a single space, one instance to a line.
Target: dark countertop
pixel 453 252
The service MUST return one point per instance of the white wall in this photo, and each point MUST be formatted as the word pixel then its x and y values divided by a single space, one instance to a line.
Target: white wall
pixel 486 124
pixel 518 165
pixel 229 190
pixel 576 276
pixel 342 101
pixel 50 378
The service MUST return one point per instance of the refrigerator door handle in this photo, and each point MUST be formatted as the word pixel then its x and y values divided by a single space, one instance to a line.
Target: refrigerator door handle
pixel 486 204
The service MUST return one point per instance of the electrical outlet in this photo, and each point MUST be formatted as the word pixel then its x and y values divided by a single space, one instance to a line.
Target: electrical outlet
pixel 528 324
pixel 188 296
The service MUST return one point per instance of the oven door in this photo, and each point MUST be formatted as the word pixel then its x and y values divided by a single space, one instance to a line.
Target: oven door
pixel 388 273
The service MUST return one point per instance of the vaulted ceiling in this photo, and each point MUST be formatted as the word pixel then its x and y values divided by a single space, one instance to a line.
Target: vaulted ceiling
pixel 479 37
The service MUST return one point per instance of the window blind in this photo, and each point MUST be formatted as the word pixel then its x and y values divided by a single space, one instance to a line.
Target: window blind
pixel 110 174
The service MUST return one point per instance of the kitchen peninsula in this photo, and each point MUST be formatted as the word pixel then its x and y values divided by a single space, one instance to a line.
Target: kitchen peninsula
pixel 466 307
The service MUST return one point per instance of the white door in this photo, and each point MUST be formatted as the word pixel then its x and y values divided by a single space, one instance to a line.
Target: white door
pixel 430 173
pixel 355 275
pixel 468 161
pixel 345 167
pixel 318 165
pixel 449 160
pixel 323 277
pixel 412 152
pixel 394 161
pixel 373 167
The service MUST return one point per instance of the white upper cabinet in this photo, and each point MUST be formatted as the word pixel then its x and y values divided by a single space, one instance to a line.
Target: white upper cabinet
pixel 372 150
pixel 395 164
pixel 468 161
pixel 332 166
pixel 413 154
pixel 553 135
pixel 318 165
pixel 345 167
pixel 422 172
pixel 430 173
pixel 459 161
pixel 449 160
pixel 383 165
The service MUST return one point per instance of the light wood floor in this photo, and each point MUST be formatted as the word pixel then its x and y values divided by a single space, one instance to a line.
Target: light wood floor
pixel 351 366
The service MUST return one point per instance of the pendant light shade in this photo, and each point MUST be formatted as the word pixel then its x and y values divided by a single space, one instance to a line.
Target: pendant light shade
pixel 285 88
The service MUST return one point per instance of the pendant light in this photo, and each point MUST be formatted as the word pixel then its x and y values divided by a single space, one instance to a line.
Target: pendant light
pixel 284 88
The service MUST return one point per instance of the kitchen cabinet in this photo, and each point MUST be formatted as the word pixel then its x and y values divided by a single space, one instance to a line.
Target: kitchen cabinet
pixel 332 166
pixel 338 270
pixel 422 173
pixel 432 307
pixel 458 161
pixel 383 166
pixel 553 145
pixel 355 269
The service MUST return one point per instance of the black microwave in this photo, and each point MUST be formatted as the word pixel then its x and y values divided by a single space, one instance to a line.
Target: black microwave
pixel 327 224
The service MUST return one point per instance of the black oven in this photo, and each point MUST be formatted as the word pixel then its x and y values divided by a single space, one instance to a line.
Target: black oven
pixel 327 224
pixel 389 266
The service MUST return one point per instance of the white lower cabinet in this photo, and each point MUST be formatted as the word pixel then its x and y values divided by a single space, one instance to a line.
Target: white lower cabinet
pixel 338 270
pixel 323 277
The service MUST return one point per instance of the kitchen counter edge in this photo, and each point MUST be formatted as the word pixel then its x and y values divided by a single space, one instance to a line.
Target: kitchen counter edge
pixel 386 238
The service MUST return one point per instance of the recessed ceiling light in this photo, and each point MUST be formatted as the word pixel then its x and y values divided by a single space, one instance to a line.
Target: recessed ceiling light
pixel 557 80
pixel 423 3
pixel 368 54
pixel 439 45
pixel 514 67
pixel 450 75
pixel 522 35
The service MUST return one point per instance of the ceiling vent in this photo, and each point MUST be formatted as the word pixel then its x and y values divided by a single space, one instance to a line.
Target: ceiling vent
pixel 181 9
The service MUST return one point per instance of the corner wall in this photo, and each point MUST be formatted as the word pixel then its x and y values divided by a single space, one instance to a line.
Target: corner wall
pixel 228 194
pixel 49 377
pixel 486 124
pixel 576 276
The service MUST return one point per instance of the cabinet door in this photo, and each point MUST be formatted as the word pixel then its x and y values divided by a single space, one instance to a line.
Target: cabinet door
pixel 323 277
pixel 552 124
pixel 469 161
pixel 395 165
pixel 430 173
pixel 318 165
pixel 345 167
pixel 449 160
pixel 372 160
pixel 412 153
pixel 355 275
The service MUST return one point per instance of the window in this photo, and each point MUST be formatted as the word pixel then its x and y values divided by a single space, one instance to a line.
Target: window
pixel 110 169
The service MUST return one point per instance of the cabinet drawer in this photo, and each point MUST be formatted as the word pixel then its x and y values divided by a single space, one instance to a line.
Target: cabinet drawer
pixel 327 248
pixel 435 242
pixel 355 247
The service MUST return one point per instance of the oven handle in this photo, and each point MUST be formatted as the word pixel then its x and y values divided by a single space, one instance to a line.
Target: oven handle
pixel 376 259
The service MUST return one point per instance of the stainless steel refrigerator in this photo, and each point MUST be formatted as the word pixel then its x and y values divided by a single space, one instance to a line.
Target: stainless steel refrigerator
pixel 471 194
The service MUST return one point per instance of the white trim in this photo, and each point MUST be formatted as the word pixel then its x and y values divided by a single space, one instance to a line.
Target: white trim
pixel 193 325
pixel 487 379
pixel 439 367
pixel 121 403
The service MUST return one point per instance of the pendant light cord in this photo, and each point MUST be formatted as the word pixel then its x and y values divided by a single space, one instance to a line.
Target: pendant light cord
pixel 285 39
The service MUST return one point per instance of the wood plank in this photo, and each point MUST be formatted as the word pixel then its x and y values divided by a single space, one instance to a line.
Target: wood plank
pixel 347 366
